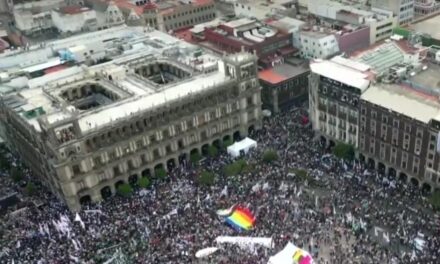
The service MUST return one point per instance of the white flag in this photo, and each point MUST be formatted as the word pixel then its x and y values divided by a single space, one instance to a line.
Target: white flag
pixel 224 192
pixel 78 219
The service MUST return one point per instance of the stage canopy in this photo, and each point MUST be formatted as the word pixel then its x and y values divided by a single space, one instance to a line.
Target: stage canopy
pixel 291 254
pixel 241 146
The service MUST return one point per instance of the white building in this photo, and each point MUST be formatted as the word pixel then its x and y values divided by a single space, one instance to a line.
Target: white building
pixel 317 45
pixel 262 9
pixel 403 9
pixel 35 17
pixel 72 19
pixel 291 26
pixel 380 21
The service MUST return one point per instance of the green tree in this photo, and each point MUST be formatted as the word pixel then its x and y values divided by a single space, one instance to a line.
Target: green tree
pixel 30 188
pixel 16 174
pixel 270 156
pixel 434 199
pixel 206 178
pixel 227 143
pixel 125 190
pixel 195 157
pixel 212 151
pixel 143 182
pixel 161 173
pixel 344 151
pixel 4 163
pixel 235 168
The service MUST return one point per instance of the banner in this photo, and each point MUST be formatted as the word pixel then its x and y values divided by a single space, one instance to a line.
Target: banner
pixel 247 242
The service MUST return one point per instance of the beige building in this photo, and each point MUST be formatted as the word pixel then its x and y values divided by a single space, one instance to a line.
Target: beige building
pixel 88 129
pixel 173 15
pixel 163 15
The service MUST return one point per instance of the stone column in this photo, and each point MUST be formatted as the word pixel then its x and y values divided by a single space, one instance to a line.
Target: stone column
pixel 275 101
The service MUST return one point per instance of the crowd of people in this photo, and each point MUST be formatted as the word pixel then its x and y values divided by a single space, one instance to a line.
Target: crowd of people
pixel 304 197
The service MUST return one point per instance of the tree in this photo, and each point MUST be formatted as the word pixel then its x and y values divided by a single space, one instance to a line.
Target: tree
pixel 125 190
pixel 212 151
pixel 195 157
pixel 344 151
pixel 434 199
pixel 227 143
pixel 235 168
pixel 4 163
pixel 161 173
pixel 206 178
pixel 16 174
pixel 143 182
pixel 30 188
pixel 270 156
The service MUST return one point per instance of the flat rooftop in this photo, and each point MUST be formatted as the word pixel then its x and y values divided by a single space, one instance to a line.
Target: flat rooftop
pixel 381 57
pixel 429 26
pixel 341 73
pixel 403 100
pixel 139 78
pixel 280 73
pixel 429 78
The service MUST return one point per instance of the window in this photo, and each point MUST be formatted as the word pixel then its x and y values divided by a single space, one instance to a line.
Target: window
pixel 75 169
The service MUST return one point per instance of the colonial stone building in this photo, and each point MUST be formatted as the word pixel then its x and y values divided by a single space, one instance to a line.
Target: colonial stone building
pixel 88 129
pixel 334 100
pixel 384 103
pixel 283 85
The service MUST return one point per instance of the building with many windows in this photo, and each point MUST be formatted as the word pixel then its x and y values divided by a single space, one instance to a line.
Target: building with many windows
pixel 167 15
pixel 270 44
pixel 425 7
pixel 150 105
pixel 380 21
pixel 384 101
pixel 284 85
pixel 399 128
pixel 403 9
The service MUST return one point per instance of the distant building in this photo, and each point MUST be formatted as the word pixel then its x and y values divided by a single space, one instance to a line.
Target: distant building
pixel 283 85
pixel 88 129
pixel 73 19
pixel 262 9
pixel 403 9
pixel 318 45
pixel 380 22
pixel 271 45
pixel 6 6
pixel 168 15
pixel 290 26
pixel 33 18
pixel 425 7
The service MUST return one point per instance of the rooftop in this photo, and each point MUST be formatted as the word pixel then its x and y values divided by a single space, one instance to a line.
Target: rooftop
pixel 429 78
pixel 341 73
pixel 281 72
pixel 72 10
pixel 133 88
pixel 382 57
pixel 403 100
pixel 429 26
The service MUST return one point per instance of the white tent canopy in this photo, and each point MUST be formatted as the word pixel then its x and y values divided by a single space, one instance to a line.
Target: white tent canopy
pixel 245 145
pixel 285 256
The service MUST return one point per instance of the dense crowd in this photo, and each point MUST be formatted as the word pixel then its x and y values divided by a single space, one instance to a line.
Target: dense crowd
pixel 333 212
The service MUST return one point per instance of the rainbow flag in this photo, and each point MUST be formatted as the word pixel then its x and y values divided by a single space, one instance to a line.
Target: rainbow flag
pixel 301 257
pixel 241 219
